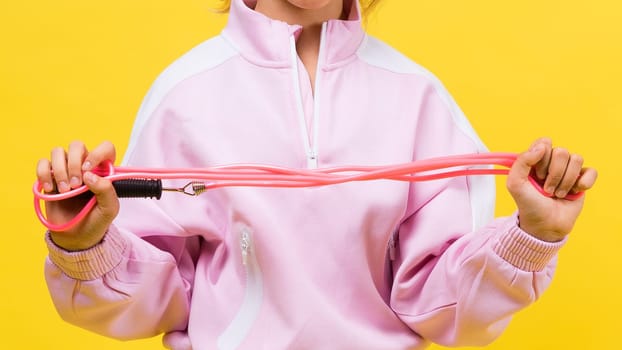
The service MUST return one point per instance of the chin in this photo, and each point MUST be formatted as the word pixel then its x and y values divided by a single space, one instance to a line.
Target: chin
pixel 310 4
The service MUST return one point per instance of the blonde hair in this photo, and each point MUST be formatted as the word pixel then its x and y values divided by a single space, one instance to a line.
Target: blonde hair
pixel 366 6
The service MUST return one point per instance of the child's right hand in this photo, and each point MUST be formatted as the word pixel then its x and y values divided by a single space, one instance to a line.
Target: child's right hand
pixel 69 169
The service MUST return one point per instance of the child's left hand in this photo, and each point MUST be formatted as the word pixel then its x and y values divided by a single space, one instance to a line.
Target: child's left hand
pixel 560 172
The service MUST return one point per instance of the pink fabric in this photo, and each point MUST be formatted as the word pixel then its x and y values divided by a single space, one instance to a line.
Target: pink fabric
pixel 369 265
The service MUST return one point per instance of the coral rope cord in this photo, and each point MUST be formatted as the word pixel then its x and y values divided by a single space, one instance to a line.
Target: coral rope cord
pixel 273 176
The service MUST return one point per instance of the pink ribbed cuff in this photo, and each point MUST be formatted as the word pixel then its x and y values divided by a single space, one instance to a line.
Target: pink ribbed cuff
pixel 525 251
pixel 92 263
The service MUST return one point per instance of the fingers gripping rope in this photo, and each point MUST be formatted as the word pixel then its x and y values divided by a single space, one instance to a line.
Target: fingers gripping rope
pixel 146 182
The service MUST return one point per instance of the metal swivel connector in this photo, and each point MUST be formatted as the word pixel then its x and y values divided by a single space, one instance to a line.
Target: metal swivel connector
pixel 192 188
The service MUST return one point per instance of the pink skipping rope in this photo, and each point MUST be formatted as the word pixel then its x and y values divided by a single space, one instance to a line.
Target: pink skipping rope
pixel 273 176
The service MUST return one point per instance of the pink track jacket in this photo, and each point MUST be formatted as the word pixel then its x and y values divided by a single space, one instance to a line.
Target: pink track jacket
pixel 364 265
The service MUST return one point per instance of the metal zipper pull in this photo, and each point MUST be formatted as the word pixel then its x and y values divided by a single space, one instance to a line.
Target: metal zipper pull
pixel 312 160
pixel 392 245
pixel 245 244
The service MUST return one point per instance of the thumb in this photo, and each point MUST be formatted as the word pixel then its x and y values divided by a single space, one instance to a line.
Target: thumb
pixel 107 201
pixel 522 168
pixel 526 161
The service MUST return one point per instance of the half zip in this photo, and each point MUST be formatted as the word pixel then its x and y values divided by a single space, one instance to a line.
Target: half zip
pixel 310 144
pixel 241 325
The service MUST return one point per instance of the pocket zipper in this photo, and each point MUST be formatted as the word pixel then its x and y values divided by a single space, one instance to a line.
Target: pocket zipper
pixel 240 326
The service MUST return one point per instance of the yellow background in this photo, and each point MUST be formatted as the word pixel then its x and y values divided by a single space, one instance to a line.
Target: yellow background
pixel 74 69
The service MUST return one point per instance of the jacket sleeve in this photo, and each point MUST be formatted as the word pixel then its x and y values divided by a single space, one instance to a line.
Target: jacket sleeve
pixel 456 282
pixel 138 281
pixel 124 287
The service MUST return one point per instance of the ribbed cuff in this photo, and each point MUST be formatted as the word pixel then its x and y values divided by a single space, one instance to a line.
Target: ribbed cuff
pixel 525 251
pixel 92 263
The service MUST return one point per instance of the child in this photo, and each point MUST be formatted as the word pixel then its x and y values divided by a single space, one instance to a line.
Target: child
pixel 362 265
